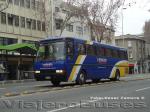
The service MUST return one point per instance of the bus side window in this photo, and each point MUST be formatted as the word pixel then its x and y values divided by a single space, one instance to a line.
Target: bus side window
pixel 126 55
pixel 101 51
pixel 91 50
pixel 81 49
pixel 70 49
pixel 122 55
pixel 108 53
pixel 115 54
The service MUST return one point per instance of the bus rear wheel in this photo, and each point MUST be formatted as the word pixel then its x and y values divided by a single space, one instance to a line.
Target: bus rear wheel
pixel 55 82
pixel 81 79
pixel 117 76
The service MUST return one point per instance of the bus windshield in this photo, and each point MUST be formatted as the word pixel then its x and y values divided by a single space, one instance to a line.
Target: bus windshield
pixel 51 51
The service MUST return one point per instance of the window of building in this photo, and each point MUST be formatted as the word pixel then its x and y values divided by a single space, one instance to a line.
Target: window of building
pixel 58 23
pixel 7 41
pixel 86 29
pixel 39 25
pixel 10 1
pixel 16 18
pixel 43 26
pixel 65 11
pixel 10 19
pixel 3 18
pixel 79 30
pixel 129 44
pixel 16 2
pixel 34 24
pixel 33 4
pixel 28 3
pixel 69 27
pixel 22 2
pixel 57 9
pixel 28 23
pixel 22 21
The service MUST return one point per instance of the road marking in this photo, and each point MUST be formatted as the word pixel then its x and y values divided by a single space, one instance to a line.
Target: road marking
pixel 143 89
pixel 72 106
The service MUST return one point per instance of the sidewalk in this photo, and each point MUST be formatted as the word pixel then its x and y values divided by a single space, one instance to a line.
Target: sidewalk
pixel 136 77
pixel 16 81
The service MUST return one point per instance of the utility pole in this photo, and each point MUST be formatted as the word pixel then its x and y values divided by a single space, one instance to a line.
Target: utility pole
pixel 52 18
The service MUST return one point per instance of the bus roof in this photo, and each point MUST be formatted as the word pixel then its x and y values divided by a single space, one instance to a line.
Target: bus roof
pixel 93 42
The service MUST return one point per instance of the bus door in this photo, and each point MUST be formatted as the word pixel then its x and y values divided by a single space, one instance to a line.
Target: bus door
pixel 91 61
pixel 70 58
pixel 102 62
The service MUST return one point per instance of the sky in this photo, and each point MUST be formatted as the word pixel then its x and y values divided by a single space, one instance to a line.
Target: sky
pixel 134 17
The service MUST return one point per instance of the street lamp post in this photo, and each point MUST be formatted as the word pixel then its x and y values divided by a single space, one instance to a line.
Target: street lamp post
pixel 123 26
pixel 52 5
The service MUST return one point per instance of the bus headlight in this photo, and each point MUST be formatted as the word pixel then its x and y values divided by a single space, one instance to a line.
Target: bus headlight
pixel 37 72
pixel 59 71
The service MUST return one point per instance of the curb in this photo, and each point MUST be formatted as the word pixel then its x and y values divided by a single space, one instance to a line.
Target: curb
pixel 11 94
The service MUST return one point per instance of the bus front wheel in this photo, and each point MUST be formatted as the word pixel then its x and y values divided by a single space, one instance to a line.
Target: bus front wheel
pixel 81 79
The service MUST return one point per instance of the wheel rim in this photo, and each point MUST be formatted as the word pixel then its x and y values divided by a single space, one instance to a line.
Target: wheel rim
pixel 82 77
pixel 118 77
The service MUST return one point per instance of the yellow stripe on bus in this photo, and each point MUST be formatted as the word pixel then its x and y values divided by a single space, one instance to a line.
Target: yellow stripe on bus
pixel 74 70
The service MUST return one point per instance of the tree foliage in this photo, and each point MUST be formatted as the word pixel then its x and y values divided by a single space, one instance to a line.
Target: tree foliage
pixel 4 4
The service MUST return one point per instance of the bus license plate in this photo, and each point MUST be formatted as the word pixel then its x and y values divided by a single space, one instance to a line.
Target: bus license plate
pixel 47 77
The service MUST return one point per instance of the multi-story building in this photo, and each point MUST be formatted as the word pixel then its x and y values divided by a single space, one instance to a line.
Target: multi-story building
pixel 21 22
pixel 31 20
pixel 136 51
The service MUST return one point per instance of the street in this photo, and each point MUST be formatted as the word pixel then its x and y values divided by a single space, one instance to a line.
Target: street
pixel 121 96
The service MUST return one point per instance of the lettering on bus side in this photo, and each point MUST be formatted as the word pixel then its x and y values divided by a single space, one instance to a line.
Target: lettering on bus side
pixel 102 60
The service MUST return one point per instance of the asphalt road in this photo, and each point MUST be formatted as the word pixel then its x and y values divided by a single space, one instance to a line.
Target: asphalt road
pixel 122 96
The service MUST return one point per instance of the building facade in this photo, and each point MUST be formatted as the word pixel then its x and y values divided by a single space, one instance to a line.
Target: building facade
pixel 136 51
pixel 32 20
pixel 21 22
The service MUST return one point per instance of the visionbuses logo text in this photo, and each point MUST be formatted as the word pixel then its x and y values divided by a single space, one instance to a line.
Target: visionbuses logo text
pixel 102 60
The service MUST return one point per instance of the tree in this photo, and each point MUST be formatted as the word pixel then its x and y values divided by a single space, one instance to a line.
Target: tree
pixel 43 14
pixel 3 5
pixel 100 14
pixel 72 13
pixel 146 29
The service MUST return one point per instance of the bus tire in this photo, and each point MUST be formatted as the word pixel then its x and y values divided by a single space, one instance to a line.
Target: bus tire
pixel 55 82
pixel 117 76
pixel 81 78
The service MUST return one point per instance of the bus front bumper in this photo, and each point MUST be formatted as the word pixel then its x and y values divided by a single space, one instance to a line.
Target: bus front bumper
pixel 46 75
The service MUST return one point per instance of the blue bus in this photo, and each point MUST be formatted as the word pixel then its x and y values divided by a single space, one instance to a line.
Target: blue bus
pixel 70 59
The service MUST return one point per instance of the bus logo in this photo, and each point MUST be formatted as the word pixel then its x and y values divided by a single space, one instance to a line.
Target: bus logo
pixel 47 65
pixel 102 61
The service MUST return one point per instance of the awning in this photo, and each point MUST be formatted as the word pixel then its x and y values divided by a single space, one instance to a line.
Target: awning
pixel 22 48
pixel 2 47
